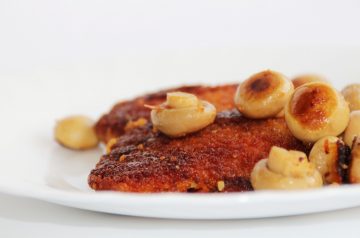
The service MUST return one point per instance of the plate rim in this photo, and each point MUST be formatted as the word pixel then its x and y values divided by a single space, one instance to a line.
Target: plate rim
pixel 82 200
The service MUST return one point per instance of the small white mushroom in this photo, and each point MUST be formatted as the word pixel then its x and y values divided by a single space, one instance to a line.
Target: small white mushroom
pixel 263 94
pixel 316 110
pixel 182 113
pixel 285 170
pixel 76 132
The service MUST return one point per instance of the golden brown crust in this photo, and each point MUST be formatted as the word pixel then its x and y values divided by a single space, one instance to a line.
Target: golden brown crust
pixel 144 160
pixel 113 124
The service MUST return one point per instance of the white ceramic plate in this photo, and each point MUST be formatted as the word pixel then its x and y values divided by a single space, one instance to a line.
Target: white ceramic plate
pixel 33 165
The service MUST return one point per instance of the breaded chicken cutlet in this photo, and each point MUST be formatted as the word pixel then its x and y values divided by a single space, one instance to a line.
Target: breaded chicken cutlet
pixel 146 161
pixel 218 158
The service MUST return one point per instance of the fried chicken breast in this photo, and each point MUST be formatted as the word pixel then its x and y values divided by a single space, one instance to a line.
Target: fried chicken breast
pixel 224 153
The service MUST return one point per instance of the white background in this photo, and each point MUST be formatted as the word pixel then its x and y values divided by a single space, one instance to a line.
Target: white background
pixel 144 45
pixel 78 39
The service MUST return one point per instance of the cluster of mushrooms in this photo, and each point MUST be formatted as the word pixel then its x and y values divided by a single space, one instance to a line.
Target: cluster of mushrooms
pixel 315 113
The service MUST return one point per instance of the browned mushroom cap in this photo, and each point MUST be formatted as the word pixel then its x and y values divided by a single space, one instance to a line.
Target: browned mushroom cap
pixel 263 94
pixel 316 110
